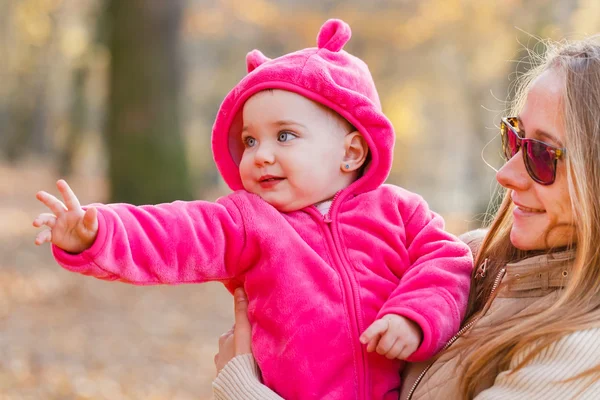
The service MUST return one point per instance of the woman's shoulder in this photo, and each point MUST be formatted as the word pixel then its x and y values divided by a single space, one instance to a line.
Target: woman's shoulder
pixel 473 239
pixel 580 348
pixel 567 368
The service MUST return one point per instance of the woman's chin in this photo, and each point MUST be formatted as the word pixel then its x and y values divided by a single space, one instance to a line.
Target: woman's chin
pixel 526 239
pixel 539 237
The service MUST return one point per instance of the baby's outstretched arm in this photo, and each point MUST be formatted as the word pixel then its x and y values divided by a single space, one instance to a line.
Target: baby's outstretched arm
pixel 170 243
pixel 71 228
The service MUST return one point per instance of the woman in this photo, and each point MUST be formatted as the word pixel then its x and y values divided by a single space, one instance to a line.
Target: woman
pixel 533 325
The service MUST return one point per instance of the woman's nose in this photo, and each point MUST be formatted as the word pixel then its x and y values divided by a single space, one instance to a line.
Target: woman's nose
pixel 513 174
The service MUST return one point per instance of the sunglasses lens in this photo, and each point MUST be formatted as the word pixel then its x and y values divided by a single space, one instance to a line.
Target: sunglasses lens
pixel 510 141
pixel 540 162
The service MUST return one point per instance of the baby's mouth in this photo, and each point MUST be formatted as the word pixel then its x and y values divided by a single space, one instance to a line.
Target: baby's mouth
pixel 269 181
pixel 269 178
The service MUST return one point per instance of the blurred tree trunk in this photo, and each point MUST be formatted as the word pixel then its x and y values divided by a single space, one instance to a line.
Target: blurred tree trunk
pixel 77 122
pixel 147 161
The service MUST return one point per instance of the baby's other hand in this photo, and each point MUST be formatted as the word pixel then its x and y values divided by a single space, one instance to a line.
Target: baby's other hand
pixel 393 336
pixel 71 228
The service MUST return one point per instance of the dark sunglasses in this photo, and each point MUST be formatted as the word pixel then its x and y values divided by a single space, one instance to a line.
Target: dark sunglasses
pixel 540 158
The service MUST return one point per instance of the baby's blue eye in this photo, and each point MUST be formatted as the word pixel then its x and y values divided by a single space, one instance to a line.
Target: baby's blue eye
pixel 249 141
pixel 285 136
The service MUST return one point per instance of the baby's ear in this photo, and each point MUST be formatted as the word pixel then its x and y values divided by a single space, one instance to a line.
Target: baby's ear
pixel 357 151
pixel 254 59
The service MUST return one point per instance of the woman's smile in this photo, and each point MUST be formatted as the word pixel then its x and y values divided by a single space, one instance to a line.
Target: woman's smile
pixel 520 212
pixel 524 211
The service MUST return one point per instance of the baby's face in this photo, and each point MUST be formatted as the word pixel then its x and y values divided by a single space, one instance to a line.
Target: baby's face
pixel 293 150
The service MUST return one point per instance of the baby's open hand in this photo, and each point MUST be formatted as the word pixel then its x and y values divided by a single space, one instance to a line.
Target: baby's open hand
pixel 393 336
pixel 71 228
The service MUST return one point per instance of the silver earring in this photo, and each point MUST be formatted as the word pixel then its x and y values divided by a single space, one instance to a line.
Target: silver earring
pixel 347 166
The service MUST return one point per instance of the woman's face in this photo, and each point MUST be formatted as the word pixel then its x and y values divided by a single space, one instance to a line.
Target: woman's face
pixel 542 215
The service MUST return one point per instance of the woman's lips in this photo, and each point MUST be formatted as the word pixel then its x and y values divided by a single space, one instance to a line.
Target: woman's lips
pixel 520 211
pixel 527 210
pixel 532 210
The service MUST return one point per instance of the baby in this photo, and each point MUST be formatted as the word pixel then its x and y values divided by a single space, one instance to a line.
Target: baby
pixel 337 266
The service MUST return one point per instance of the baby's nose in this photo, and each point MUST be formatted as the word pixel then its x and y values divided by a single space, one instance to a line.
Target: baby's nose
pixel 264 155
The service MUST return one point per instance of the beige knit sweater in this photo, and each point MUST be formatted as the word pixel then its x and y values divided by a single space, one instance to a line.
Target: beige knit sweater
pixel 240 379
pixel 542 378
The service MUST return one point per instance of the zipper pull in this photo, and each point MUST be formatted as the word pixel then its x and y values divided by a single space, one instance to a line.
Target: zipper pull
pixel 327 218
pixel 482 269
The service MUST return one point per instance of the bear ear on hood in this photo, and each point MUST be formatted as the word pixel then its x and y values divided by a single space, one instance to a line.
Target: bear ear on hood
pixel 254 59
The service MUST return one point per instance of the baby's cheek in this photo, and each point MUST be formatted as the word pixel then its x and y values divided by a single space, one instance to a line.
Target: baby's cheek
pixel 247 183
pixel 244 169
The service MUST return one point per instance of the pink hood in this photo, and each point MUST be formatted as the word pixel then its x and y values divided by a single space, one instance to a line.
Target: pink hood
pixel 325 74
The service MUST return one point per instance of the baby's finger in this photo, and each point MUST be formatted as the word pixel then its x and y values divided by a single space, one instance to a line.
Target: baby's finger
pixel 43 237
pixel 372 345
pixel 385 343
pixel 69 197
pixel 406 352
pixel 90 219
pixel 396 350
pixel 55 205
pixel 45 219
pixel 376 328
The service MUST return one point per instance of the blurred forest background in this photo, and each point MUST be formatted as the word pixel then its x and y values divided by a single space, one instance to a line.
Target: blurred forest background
pixel 119 96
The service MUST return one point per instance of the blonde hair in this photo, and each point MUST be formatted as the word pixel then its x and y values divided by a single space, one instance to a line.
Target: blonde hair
pixel 578 305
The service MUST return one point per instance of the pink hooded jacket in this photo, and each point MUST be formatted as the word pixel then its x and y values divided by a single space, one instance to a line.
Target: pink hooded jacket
pixel 314 282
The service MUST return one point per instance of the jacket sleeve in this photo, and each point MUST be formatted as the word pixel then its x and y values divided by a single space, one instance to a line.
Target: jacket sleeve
pixel 180 242
pixel 434 286
pixel 240 380
pixel 554 373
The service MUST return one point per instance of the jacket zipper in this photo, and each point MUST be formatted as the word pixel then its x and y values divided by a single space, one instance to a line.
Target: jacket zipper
pixel 327 217
pixel 460 332
pixel 355 312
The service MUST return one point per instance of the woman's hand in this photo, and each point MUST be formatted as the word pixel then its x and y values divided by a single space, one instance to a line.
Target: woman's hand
pixel 237 340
